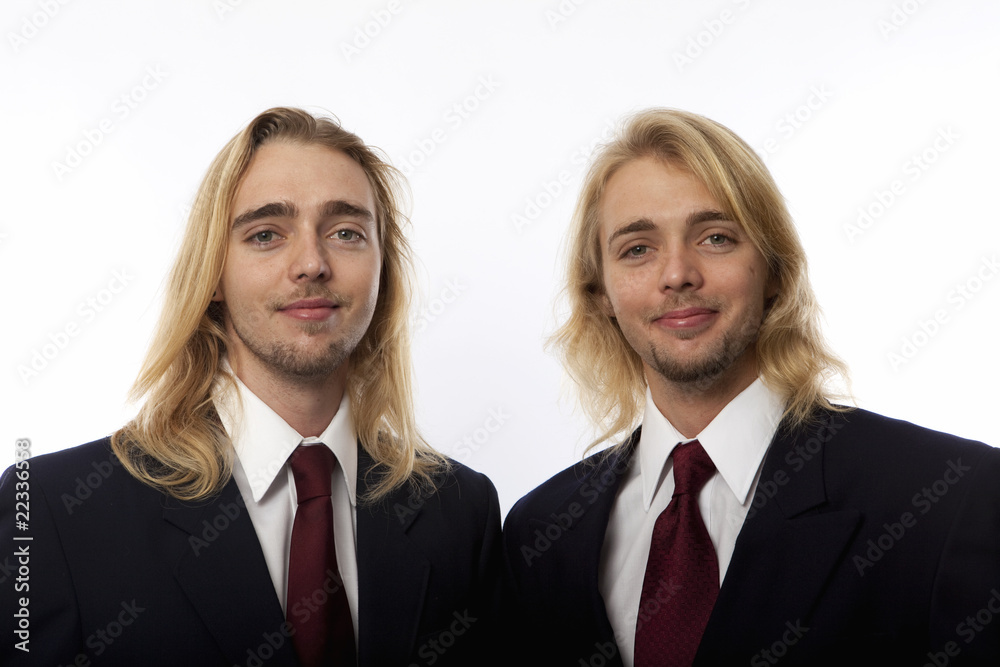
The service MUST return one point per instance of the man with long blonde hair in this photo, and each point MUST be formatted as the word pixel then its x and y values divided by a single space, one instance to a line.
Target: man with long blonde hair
pixel 743 517
pixel 273 501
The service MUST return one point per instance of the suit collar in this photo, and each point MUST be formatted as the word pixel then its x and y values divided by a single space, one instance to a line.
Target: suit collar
pixel 404 504
pixel 392 574
pixel 224 576
pixel 795 466
pixel 598 480
pixel 786 549
pixel 579 522
pixel 224 569
pixel 790 542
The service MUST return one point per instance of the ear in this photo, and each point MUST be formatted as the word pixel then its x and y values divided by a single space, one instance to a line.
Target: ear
pixel 217 293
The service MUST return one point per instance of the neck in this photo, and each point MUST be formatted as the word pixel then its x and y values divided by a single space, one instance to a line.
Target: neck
pixel 307 405
pixel 691 406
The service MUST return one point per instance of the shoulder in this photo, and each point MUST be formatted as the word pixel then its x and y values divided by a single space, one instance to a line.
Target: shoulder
pixel 587 482
pixel 460 490
pixel 868 454
pixel 82 480
pixel 869 434
pixel 461 479
pixel 458 496
pixel 877 424
pixel 88 463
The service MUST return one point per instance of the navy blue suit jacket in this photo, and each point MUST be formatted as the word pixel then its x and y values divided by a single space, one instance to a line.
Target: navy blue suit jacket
pixel 121 574
pixel 870 541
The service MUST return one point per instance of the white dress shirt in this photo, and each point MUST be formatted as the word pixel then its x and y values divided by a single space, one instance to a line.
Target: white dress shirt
pixel 263 441
pixel 736 441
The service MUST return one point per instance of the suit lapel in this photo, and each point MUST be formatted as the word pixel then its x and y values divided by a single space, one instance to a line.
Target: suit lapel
pixel 584 511
pixel 392 576
pixel 576 530
pixel 788 546
pixel 225 577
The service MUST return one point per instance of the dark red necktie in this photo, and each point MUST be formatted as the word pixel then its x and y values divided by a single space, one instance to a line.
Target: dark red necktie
pixel 316 604
pixel 682 573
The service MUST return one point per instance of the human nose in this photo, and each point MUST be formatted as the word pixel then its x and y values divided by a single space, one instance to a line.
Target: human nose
pixel 681 271
pixel 310 259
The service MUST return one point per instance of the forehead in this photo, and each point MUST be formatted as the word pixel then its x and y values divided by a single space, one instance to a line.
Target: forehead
pixel 654 194
pixel 649 185
pixel 303 174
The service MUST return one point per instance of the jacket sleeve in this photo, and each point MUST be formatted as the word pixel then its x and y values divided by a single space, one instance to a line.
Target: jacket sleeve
pixel 40 620
pixel 965 604
pixel 481 648
pixel 490 564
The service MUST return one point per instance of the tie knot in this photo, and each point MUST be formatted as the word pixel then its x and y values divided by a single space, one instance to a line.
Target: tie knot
pixel 692 468
pixel 312 468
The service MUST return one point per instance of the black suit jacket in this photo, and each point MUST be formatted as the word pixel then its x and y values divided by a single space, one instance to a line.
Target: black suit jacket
pixel 870 541
pixel 120 574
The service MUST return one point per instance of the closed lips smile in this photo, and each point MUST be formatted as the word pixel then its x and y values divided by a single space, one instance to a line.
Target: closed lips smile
pixel 310 309
pixel 687 318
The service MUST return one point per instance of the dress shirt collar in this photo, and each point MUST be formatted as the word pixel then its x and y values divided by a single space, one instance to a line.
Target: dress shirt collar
pixel 263 441
pixel 736 440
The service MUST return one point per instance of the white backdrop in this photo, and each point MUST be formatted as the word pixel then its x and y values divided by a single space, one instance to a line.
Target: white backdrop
pixel 877 118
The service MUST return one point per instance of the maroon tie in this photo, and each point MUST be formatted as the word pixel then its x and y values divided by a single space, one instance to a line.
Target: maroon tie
pixel 682 573
pixel 316 605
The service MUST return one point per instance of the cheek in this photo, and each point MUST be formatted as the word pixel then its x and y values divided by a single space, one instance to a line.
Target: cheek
pixel 761 276
pixel 241 286
pixel 242 273
pixel 630 288
pixel 230 285
pixel 366 277
pixel 614 294
pixel 752 287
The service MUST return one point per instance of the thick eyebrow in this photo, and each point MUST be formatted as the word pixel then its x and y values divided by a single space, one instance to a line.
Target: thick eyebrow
pixel 707 216
pixel 646 225
pixel 341 207
pixel 284 209
pixel 640 225
pixel 278 209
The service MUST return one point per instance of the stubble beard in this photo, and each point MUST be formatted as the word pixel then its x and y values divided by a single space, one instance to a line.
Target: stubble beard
pixel 702 372
pixel 294 364
pixel 297 365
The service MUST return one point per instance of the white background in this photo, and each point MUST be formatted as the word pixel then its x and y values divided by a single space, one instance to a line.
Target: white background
pixel 884 81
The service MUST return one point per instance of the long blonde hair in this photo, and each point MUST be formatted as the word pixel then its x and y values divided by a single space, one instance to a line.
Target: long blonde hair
pixel 176 443
pixel 792 356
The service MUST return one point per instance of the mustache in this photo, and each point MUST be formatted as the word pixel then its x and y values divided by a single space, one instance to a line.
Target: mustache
pixel 310 292
pixel 681 303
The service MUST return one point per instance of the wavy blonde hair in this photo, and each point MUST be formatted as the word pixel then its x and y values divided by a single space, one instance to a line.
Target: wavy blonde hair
pixel 176 443
pixel 792 356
